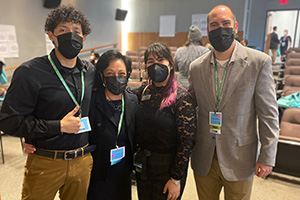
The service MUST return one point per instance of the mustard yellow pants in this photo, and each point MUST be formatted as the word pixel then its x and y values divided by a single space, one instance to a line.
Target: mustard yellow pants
pixel 209 187
pixel 44 177
pixel 274 55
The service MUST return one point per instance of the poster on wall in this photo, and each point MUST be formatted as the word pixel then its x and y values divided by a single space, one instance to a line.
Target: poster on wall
pixel 8 42
pixel 200 21
pixel 167 26
pixel 49 44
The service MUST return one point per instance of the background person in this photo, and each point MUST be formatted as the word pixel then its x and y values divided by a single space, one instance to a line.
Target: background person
pixel 94 57
pixel 47 113
pixel 112 107
pixel 244 42
pixel 233 86
pixel 166 126
pixel 185 55
pixel 274 43
pixel 285 43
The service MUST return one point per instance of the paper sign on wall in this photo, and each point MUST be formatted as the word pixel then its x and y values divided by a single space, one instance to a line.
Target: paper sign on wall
pixel 200 21
pixel 8 42
pixel 167 26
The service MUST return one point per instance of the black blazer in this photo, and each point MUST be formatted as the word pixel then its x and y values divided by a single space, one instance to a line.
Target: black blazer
pixel 104 129
pixel 274 41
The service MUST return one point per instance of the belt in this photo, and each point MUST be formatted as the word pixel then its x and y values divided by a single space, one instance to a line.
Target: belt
pixel 66 155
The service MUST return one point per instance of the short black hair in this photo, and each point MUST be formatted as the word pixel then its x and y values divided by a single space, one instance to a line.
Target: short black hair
pixel 274 28
pixel 67 14
pixel 112 55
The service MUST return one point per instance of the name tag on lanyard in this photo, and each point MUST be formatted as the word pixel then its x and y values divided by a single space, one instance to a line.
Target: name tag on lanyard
pixel 215 122
pixel 85 125
pixel 116 155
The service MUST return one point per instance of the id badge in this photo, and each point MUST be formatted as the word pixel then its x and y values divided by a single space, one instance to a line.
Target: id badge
pixel 85 125
pixel 215 122
pixel 138 165
pixel 116 155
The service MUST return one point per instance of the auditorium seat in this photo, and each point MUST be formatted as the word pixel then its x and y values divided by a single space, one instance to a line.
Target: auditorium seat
pixel 288 159
pixel 289 92
pixel 293 55
pixel 294 50
pixel 134 58
pixel 135 65
pixel 143 49
pixel 292 62
pixel 130 53
pixel 135 75
pixel 291 82
pixel 292 70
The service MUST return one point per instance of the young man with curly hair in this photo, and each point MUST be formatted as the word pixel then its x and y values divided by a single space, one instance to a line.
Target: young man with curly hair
pixel 46 102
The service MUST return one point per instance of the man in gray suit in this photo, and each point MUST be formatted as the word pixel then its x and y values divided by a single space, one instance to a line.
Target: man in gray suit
pixel 233 86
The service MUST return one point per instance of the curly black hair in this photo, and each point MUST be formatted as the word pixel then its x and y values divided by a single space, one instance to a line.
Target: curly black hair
pixel 67 14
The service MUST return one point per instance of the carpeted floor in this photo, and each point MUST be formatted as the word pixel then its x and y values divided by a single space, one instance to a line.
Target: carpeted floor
pixel 276 187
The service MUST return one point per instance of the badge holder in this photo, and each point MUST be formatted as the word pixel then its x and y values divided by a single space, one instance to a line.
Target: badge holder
pixel 85 125
pixel 116 155
pixel 138 165
pixel 215 122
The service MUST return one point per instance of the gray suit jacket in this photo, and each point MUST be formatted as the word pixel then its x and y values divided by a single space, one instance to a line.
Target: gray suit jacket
pixel 248 94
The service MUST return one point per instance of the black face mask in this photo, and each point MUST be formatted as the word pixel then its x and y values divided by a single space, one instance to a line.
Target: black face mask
pixel 69 44
pixel 158 72
pixel 221 38
pixel 116 84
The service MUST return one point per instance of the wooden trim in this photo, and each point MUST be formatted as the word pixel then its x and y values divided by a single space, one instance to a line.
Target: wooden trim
pixel 100 47
pixel 10 68
pixel 144 39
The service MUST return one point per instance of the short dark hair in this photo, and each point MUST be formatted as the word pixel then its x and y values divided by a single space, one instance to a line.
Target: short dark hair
pixel 112 55
pixel 159 50
pixel 274 28
pixel 67 14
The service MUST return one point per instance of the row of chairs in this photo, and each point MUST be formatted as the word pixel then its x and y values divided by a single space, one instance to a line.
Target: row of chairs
pixel 288 159
pixel 289 78
pixel 138 66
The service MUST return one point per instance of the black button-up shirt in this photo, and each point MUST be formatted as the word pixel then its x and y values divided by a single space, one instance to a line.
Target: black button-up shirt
pixel 36 101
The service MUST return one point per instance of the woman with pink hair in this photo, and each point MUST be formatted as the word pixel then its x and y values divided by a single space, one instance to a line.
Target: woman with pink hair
pixel 165 129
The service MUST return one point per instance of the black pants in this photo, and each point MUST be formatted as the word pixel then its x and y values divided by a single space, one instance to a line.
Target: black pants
pixel 151 185
pixel 116 187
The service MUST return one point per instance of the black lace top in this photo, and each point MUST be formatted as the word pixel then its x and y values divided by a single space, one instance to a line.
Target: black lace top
pixel 168 131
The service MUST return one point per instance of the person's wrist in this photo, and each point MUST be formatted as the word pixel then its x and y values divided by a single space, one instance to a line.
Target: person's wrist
pixel 176 182
pixel 61 126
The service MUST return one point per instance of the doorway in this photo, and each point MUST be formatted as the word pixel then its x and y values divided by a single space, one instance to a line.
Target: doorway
pixel 283 19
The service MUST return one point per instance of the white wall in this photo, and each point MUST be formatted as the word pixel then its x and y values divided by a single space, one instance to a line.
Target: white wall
pixel 143 15
pixel 297 39
pixel 29 18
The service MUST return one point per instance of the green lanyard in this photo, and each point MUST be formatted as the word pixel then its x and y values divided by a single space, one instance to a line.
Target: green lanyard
pixel 219 92
pixel 66 86
pixel 121 119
